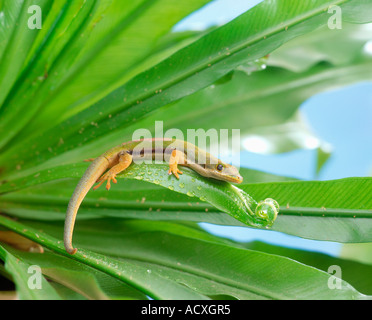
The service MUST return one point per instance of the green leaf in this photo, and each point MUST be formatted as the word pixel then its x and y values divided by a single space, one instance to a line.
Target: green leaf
pixel 335 210
pixel 17 39
pixel 19 271
pixel 290 135
pixel 325 210
pixel 147 262
pixel 355 273
pixel 323 154
pixel 220 194
pixel 79 278
pixel 94 33
pixel 360 252
pixel 97 71
pixel 245 39
pixel 153 284
pixel 127 199
pixel 334 46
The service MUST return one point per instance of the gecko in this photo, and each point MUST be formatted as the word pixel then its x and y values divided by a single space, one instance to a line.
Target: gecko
pixel 114 161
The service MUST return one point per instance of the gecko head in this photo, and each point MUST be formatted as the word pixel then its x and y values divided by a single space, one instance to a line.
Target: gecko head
pixel 225 172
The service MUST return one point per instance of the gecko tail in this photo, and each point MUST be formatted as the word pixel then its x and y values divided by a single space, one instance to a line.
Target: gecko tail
pixel 70 249
pixel 69 227
pixel 94 171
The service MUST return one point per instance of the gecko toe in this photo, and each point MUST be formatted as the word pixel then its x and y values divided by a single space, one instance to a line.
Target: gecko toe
pixel 98 185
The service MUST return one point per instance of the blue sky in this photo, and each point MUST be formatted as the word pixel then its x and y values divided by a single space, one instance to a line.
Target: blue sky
pixel 342 118
pixel 217 12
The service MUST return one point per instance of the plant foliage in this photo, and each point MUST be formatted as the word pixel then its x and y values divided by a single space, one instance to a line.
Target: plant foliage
pixel 97 71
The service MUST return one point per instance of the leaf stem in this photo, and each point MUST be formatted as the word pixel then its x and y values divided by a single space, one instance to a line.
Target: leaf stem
pixel 326 212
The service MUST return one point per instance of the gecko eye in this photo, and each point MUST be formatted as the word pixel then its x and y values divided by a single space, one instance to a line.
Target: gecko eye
pixel 220 167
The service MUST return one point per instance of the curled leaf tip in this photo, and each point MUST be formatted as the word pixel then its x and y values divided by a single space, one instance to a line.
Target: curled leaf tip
pixel 267 210
pixel 261 214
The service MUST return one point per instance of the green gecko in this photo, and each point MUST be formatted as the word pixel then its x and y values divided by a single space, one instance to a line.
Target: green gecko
pixel 175 152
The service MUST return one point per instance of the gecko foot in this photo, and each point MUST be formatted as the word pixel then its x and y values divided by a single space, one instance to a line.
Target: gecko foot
pixel 107 176
pixel 173 169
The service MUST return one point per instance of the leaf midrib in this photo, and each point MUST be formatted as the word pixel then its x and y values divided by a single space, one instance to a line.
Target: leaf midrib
pixel 204 64
pixel 238 47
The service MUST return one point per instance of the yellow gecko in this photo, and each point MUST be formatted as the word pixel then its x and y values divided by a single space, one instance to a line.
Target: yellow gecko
pixel 108 165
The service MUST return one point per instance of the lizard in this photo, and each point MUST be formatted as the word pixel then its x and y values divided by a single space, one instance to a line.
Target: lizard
pixel 116 160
